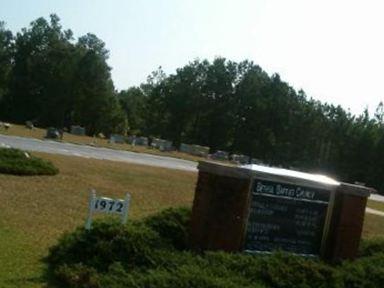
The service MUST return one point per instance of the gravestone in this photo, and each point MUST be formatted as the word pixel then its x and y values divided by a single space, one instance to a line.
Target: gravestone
pixel 201 151
pixel 240 159
pixel 141 141
pixel 220 155
pixel 161 144
pixel 52 133
pixel 186 148
pixel 259 209
pixel 117 138
pixel 196 150
pixel 29 125
pixel 77 130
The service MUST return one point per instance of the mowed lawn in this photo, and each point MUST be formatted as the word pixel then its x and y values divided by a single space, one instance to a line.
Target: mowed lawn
pixel 376 205
pixel 35 211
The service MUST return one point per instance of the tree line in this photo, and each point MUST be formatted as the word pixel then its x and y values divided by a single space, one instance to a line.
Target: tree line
pixel 51 80
pixel 48 77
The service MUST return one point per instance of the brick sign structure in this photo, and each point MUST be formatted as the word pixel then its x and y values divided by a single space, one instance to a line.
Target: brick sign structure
pixel 260 209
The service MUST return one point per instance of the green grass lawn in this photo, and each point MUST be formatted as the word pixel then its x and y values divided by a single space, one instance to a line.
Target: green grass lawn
pixel 376 205
pixel 20 264
pixel 36 210
pixel 373 226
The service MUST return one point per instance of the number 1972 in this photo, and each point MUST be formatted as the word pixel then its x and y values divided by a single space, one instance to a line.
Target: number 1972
pixel 108 205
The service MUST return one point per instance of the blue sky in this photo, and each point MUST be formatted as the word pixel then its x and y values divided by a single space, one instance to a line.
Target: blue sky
pixel 331 49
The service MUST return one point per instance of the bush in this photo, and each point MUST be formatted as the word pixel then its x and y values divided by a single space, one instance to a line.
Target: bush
pixel 371 247
pixel 185 276
pixel 107 242
pixel 152 253
pixel 78 276
pixel 172 225
pixel 366 272
pixel 17 162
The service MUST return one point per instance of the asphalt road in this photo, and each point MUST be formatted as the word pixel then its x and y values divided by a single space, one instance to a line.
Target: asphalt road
pixel 86 151
pixel 377 197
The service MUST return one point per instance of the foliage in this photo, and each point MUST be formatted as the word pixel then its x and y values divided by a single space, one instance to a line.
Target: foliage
pixel 133 102
pixel 49 77
pixel 171 225
pixel 17 162
pixel 371 247
pixel 140 255
pixel 239 108
pixel 6 50
pixel 105 243
pixel 55 82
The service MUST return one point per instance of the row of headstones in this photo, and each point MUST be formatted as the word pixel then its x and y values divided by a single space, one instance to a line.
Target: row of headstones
pixel 196 150
pixel 54 133
pixel 234 158
pixel 164 145
pixel 161 144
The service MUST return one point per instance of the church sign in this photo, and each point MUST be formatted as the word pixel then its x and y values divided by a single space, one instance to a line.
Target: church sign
pixel 259 209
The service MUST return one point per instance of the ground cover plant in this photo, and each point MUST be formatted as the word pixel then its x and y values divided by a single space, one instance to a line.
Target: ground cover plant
pixel 153 253
pixel 17 162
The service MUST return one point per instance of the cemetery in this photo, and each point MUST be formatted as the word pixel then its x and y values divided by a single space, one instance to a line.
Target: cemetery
pixel 134 143
pixel 275 185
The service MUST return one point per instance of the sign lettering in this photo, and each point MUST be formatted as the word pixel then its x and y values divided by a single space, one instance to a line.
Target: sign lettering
pixel 286 217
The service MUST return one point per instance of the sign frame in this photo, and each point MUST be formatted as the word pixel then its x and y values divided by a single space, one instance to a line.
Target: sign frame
pixel 297 182
pixel 93 207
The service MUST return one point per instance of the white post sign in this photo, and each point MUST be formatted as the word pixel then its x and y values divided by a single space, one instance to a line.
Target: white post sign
pixel 107 205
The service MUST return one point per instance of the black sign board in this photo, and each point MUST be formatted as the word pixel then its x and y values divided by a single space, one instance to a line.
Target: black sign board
pixel 286 217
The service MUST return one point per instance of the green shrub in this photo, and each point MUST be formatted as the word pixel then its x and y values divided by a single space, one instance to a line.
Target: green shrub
pixel 77 276
pixel 152 253
pixel 371 247
pixel 108 241
pixel 172 225
pixel 366 272
pixel 188 275
pixel 17 162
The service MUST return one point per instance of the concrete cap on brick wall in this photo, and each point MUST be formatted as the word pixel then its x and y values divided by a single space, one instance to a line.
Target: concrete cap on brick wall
pixel 283 175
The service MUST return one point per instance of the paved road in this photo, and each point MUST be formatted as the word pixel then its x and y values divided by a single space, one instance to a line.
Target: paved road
pixel 373 211
pixel 377 197
pixel 54 147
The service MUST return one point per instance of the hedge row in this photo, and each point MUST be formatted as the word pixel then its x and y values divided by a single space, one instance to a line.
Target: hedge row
pixel 153 253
